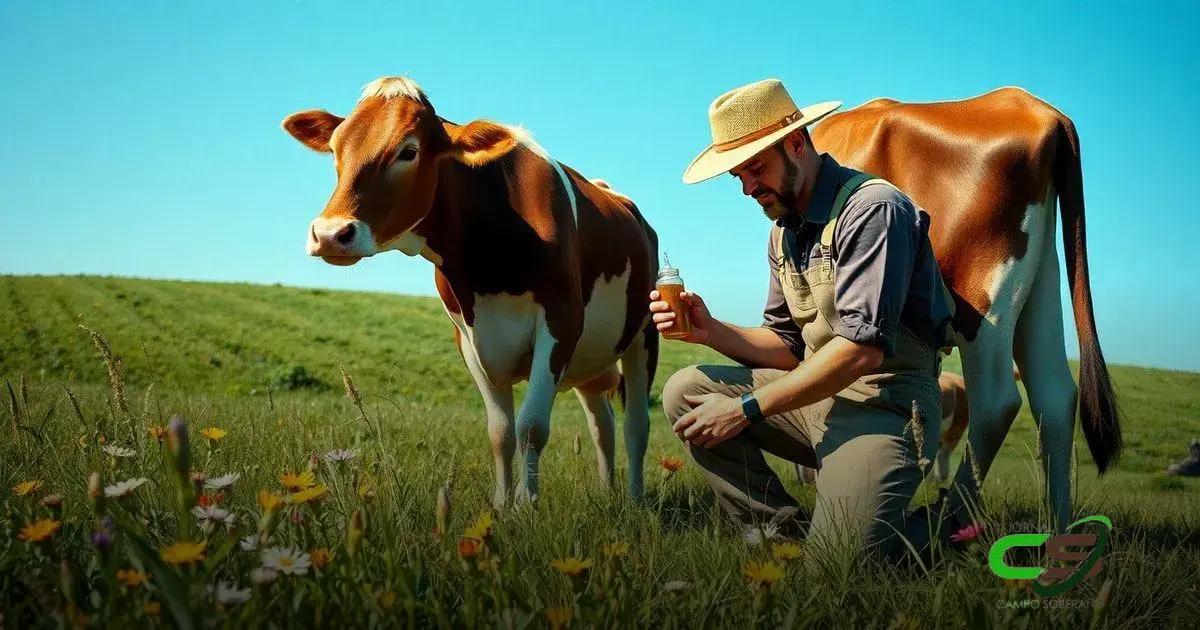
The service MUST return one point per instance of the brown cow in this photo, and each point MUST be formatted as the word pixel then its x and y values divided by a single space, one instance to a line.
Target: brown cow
pixel 544 273
pixel 989 170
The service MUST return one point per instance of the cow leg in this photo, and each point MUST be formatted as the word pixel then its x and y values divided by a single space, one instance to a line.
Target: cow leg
pixel 533 420
pixel 498 402
pixel 1041 355
pixel 637 366
pixel 593 395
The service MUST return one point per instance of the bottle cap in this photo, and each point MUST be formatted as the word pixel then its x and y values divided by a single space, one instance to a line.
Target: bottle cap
pixel 668 273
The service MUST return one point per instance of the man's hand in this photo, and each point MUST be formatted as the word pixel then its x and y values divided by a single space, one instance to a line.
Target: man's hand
pixel 713 419
pixel 664 317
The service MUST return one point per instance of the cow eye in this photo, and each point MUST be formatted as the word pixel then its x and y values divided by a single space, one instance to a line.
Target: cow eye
pixel 407 154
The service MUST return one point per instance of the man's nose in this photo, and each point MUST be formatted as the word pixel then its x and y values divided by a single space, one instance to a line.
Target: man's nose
pixel 332 236
pixel 747 185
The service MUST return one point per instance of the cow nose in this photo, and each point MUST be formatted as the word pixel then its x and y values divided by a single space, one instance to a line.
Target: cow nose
pixel 335 237
pixel 345 235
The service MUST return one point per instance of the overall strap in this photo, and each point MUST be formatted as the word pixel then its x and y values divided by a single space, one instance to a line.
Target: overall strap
pixel 839 203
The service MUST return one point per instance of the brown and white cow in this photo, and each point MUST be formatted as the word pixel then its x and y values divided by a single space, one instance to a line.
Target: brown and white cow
pixel 989 171
pixel 544 273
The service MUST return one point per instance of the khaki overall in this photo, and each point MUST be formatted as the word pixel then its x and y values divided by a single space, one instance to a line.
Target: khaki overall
pixel 862 440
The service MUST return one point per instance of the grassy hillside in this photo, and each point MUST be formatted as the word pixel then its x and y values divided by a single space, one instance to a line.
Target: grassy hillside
pixel 211 352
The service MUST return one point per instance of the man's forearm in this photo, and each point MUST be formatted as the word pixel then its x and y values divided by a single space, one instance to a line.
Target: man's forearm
pixel 828 371
pixel 756 346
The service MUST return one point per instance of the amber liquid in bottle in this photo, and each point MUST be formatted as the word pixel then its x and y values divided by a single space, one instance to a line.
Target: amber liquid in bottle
pixel 669 286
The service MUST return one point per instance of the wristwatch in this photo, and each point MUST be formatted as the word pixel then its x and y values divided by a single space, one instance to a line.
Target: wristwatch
pixel 750 408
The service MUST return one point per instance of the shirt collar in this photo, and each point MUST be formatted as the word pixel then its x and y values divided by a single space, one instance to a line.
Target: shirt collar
pixel 829 178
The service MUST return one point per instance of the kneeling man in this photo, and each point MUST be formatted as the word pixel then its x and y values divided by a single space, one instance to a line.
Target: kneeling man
pixel 843 374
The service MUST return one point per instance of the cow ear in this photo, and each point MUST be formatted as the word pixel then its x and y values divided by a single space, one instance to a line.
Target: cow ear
pixel 479 142
pixel 312 128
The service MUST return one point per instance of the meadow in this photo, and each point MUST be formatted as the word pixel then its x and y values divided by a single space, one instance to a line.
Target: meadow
pixel 329 466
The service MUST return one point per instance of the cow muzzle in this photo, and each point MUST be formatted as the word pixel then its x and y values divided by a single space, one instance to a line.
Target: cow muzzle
pixel 339 240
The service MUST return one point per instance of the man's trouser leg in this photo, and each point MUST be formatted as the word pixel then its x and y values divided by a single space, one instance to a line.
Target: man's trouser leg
pixel 747 489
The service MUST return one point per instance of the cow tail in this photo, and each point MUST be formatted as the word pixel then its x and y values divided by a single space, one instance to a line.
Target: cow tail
pixel 1098 408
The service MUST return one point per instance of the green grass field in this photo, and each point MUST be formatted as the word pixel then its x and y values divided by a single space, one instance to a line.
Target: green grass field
pixel 262 363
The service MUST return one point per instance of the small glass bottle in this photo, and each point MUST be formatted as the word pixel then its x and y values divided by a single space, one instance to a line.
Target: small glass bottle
pixel 670 285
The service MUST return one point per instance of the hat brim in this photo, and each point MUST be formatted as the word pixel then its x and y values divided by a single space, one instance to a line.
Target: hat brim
pixel 711 162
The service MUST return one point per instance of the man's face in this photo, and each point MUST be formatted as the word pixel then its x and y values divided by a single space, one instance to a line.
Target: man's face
pixel 772 177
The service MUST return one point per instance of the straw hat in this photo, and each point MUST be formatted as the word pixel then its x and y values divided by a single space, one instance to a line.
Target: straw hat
pixel 747 120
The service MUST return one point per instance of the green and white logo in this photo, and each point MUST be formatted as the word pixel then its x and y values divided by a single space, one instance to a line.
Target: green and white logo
pixel 1053 580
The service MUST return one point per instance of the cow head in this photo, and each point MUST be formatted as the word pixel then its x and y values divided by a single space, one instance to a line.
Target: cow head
pixel 387 154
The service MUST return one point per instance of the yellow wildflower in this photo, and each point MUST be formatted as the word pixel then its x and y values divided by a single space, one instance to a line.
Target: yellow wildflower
pixel 151 609
pixel 26 488
pixel 762 573
pixel 309 494
pixel 559 616
pixel 297 482
pixel 615 549
pixel 184 552
pixel 131 577
pixel 269 501
pixel 38 531
pixel 158 433
pixel 786 551
pixel 321 557
pixel 213 434
pixel 481 529
pixel 573 566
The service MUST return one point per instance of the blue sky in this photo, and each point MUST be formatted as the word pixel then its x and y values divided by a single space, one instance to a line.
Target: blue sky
pixel 143 137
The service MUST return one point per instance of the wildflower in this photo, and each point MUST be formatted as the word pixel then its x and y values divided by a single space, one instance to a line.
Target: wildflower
pixel 26 488
pixel 615 549
pixel 286 560
pixel 309 494
pixel 670 465
pixel 151 609
pixel 184 552
pixel 297 482
pixel 676 587
pixel 339 455
pixel 212 516
pixel 469 548
pixel 269 501
pixel 131 578
pixel 222 482
pixel 762 573
pixel 559 616
pixel 249 542
pixel 786 551
pixel 124 488
pixel 206 500
pixel 53 502
pixel 229 594
pixel 968 533
pixel 321 557
pixel 262 576
pixel 213 434
pixel 102 539
pixel 118 451
pixel 297 518
pixel 158 433
pixel 572 566
pixel 39 531
pixel 387 599
pixel 481 529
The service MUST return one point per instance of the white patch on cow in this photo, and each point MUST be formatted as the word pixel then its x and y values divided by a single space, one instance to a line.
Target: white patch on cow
pixel 1011 280
pixel 502 335
pixel 603 325
pixel 524 137
pixel 391 87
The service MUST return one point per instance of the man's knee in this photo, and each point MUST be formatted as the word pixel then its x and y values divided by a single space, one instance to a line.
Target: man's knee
pixel 688 381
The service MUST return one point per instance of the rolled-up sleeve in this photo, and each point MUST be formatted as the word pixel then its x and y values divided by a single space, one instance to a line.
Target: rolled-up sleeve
pixel 875 247
pixel 776 316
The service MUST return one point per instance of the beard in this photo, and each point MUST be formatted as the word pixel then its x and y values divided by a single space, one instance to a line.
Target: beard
pixel 778 203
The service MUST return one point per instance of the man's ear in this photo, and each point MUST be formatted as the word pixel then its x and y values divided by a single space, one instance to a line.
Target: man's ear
pixel 796 142
pixel 312 128
pixel 480 142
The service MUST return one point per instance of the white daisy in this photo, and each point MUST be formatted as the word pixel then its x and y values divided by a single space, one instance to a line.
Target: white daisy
pixel 262 576
pixel 124 488
pixel 222 482
pixel 118 451
pixel 755 536
pixel 286 560
pixel 229 593
pixel 212 516
pixel 250 542
pixel 339 455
